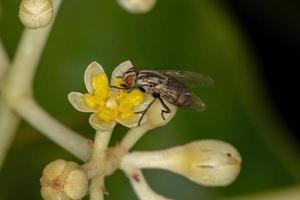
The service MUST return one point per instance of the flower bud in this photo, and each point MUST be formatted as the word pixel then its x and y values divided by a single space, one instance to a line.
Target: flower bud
pixel 36 13
pixel 137 6
pixel 206 162
pixel 154 114
pixel 63 180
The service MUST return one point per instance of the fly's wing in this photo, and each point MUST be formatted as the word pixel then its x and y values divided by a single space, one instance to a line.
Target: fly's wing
pixel 197 103
pixel 190 79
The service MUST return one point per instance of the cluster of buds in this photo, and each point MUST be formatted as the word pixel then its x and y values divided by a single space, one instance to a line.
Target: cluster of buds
pixel 206 162
pixel 64 180
pixel 36 14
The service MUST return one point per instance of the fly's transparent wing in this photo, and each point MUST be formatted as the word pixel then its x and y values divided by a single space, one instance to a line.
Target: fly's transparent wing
pixel 191 79
pixel 197 104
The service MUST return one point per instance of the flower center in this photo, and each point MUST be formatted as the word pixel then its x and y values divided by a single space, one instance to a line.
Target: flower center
pixel 111 104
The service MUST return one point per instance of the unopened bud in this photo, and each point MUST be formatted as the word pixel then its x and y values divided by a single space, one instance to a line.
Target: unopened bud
pixel 36 13
pixel 207 162
pixel 63 180
pixel 137 6
pixel 159 114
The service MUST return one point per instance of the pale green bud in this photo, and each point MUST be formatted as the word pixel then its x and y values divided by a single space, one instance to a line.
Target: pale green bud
pixel 64 180
pixel 206 162
pixel 137 6
pixel 36 13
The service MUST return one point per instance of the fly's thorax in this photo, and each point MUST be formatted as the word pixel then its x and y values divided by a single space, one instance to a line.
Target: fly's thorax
pixel 149 79
pixel 145 86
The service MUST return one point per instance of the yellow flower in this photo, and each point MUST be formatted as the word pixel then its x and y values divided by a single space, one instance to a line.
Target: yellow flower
pixel 109 105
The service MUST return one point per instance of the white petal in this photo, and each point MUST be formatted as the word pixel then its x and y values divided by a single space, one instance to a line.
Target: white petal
pixel 78 102
pixel 92 70
pixel 154 118
pixel 132 121
pixel 148 98
pixel 120 70
pixel 100 125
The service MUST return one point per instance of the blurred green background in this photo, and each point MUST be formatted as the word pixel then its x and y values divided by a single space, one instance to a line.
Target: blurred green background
pixel 197 35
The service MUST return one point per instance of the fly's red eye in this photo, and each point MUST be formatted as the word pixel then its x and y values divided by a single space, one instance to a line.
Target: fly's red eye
pixel 129 80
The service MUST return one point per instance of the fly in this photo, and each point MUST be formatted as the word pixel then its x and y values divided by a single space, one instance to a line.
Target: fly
pixel 169 85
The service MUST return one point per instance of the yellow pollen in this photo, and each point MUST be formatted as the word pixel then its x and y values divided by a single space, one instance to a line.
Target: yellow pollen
pixel 110 105
pixel 118 82
pixel 107 114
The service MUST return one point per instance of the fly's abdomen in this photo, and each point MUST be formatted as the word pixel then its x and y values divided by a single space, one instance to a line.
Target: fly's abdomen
pixel 175 93
pixel 184 100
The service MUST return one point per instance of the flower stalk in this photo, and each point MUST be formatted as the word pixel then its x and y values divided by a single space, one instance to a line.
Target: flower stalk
pixel 8 120
pixel 133 136
pixel 140 185
pixel 8 127
pixel 206 162
pixel 28 54
pixel 4 60
pixel 17 90
pixel 54 130
pixel 97 164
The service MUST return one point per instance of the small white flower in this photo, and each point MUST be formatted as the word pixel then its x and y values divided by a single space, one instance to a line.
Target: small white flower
pixel 109 105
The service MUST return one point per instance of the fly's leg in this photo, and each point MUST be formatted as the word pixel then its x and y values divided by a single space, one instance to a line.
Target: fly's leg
pixel 166 108
pixel 123 87
pixel 113 86
pixel 144 112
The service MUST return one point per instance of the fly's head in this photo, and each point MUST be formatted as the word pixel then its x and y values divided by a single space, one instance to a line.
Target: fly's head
pixel 124 76
pixel 129 78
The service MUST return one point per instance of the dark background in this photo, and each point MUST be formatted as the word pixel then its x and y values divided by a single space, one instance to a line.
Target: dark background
pixel 273 28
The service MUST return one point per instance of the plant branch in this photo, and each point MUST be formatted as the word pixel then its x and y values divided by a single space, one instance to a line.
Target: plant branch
pixel 4 60
pixel 28 54
pixel 141 159
pixel 140 185
pixel 18 86
pixel 137 180
pixel 8 126
pixel 8 121
pixel 97 188
pixel 133 135
pixel 27 108
pixel 97 164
